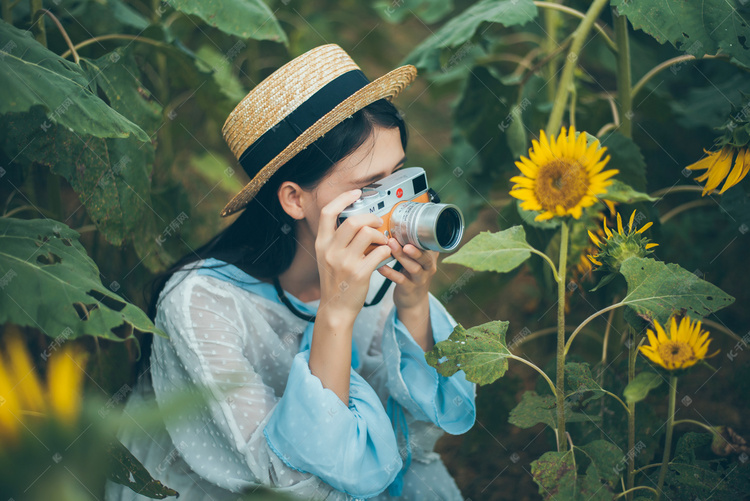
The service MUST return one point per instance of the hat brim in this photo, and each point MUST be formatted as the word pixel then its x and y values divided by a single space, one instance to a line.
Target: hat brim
pixel 388 86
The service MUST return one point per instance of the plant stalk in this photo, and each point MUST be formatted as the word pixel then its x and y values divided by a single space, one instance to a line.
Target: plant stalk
pixel 668 439
pixel 37 21
pixel 566 80
pixel 562 442
pixel 8 10
pixel 577 13
pixel 624 95
pixel 540 371
pixel 551 22
pixel 632 353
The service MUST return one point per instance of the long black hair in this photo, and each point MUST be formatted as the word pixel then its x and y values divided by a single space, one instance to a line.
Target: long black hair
pixel 261 241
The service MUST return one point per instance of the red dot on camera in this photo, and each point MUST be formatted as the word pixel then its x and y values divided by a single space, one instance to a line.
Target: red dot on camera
pixel 399 193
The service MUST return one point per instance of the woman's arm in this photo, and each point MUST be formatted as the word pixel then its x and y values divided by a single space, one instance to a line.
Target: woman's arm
pixel 344 271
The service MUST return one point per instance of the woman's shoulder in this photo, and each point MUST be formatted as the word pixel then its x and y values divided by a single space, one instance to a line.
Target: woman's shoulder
pixel 217 280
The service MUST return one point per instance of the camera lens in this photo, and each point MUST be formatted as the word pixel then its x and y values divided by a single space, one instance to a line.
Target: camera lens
pixel 449 228
pixel 428 226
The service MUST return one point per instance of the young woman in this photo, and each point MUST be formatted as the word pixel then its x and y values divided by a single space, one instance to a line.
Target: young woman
pixel 311 390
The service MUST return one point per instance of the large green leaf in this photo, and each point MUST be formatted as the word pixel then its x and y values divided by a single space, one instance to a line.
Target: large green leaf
pixel 656 290
pixel 697 28
pixel 481 352
pixel 112 178
pixel 48 282
pixel 580 385
pixel 558 479
pixel 502 251
pixel 211 60
pixel 429 11
pixel 696 473
pixel 641 385
pixel 534 409
pixel 461 28
pixel 625 194
pixel 31 75
pixel 118 77
pixel 244 18
pixel 604 456
pixel 125 469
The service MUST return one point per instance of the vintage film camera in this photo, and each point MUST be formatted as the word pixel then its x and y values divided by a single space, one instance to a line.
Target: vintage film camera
pixel 410 212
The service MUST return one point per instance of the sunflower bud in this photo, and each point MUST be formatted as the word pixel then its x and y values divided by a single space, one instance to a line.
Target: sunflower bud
pixel 619 245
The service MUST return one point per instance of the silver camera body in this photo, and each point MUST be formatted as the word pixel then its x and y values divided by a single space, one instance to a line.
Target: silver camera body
pixel 409 214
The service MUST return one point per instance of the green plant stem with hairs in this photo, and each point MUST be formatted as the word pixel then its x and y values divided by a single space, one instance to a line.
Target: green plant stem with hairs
pixel 37 21
pixel 561 275
pixel 577 13
pixel 566 80
pixel 668 439
pixel 632 354
pixel 624 95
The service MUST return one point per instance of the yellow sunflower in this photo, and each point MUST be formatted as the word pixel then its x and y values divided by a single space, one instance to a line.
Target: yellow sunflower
pixel 717 165
pixel 561 176
pixel 25 399
pixel 684 346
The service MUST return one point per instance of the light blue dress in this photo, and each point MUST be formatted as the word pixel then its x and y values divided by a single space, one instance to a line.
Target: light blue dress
pixel 269 421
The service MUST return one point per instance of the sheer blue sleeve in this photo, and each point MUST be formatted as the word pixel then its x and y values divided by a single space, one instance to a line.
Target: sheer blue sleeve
pixel 353 448
pixel 448 402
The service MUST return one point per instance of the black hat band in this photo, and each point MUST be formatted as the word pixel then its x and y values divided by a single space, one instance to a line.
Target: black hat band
pixel 281 135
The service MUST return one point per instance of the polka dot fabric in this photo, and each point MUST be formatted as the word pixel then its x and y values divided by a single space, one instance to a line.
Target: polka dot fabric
pixel 241 408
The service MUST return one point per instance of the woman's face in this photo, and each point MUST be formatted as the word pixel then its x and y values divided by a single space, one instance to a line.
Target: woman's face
pixel 379 156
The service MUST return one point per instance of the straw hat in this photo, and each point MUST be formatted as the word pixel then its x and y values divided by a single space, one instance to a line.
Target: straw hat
pixel 297 104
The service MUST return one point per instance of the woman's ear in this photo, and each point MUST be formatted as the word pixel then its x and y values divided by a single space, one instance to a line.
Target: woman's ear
pixel 290 198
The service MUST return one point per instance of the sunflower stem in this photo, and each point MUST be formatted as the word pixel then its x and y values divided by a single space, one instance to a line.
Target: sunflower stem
pixel 566 80
pixel 630 491
pixel 577 13
pixel 562 443
pixel 551 22
pixel 624 95
pixel 540 371
pixel 115 36
pixel 666 64
pixel 585 322
pixel 632 353
pixel 698 423
pixel 668 439
pixel 548 260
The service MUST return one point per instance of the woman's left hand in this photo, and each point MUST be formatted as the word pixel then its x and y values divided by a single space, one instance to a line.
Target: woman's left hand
pixel 413 281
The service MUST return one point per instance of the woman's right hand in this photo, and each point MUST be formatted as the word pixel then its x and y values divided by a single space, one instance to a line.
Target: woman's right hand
pixel 344 268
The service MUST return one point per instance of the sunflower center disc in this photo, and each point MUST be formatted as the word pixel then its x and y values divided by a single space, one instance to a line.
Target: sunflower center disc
pixel 675 354
pixel 561 182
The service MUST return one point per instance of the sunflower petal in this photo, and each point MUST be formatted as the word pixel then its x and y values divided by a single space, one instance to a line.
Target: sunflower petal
pixel 594 260
pixel 524 182
pixel 544 216
pixel 27 383
pixel 527 168
pixel 661 335
pixel 738 172
pixel 644 227
pixel 630 223
pixel 595 239
pixel 653 356
pixel 719 170
pixel 705 162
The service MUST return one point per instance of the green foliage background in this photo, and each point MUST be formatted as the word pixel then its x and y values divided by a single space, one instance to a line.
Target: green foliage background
pixel 125 149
